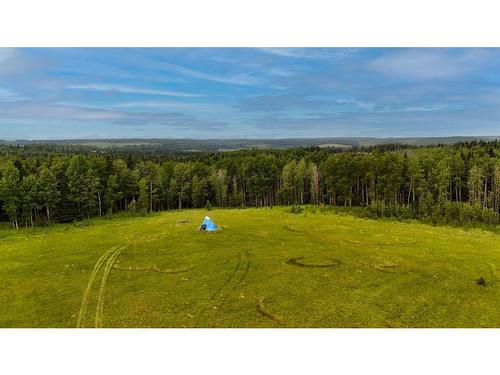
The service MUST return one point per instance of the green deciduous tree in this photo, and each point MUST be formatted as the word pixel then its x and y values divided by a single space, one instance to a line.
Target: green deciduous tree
pixel 48 190
pixel 10 192
pixel 475 185
pixel 180 181
pixel 218 181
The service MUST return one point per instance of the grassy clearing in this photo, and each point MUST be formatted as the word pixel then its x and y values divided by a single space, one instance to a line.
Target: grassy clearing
pixel 267 268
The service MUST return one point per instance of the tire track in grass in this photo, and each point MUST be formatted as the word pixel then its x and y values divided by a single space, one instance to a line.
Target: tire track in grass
pixel 220 289
pixel 109 257
pixel 247 268
pixel 240 280
pixel 86 295
pixel 233 274
pixel 100 298
pixel 154 269
pixel 227 288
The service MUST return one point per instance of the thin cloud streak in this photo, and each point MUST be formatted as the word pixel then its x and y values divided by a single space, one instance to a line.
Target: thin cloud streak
pixel 7 95
pixel 429 63
pixel 84 114
pixel 238 79
pixel 217 92
pixel 132 90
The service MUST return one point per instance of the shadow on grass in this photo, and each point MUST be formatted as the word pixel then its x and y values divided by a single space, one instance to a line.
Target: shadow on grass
pixel 298 262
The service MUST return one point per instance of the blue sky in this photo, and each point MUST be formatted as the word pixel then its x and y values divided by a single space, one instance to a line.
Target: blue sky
pixel 56 93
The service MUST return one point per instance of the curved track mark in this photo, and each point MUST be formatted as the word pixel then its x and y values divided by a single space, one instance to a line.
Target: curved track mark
pixel 235 271
pixel 298 262
pixel 100 299
pixel 261 308
pixel 93 275
pixel 240 280
pixel 154 269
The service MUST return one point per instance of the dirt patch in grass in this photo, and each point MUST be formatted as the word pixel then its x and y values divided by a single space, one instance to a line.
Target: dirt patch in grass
pixel 290 229
pixel 300 263
pixel 153 269
pixel 481 281
pixel 263 310
pixel 385 267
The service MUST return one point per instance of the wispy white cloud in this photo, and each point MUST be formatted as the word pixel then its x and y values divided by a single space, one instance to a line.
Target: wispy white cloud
pixel 7 95
pixel 6 54
pixel 276 103
pixel 315 88
pixel 72 113
pixel 154 104
pixel 159 105
pixel 429 63
pixel 332 54
pixel 261 67
pixel 422 108
pixel 131 90
pixel 331 106
pixel 236 79
pixel 280 72
pixel 57 112
pixel 284 52
pixel 15 63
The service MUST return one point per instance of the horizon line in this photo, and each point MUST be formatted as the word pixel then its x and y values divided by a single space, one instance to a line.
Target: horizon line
pixel 244 139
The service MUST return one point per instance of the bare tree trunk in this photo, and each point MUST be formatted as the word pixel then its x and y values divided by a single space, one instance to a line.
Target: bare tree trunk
pixel 485 201
pixel 409 190
pixel 99 200
pixel 151 196
pixel 47 209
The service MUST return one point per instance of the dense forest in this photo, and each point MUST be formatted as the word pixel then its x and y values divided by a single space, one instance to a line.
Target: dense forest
pixel 42 184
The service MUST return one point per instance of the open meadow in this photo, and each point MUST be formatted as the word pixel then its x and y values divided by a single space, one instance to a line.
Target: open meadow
pixel 268 267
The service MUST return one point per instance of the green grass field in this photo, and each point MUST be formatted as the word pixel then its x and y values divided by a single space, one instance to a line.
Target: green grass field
pixel 267 268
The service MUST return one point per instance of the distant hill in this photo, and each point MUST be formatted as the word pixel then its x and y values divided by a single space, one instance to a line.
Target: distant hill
pixel 193 145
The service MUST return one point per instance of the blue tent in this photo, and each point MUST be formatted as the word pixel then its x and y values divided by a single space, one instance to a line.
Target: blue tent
pixel 208 225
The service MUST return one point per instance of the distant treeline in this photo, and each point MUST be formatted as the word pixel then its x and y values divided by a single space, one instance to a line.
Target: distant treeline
pixel 458 183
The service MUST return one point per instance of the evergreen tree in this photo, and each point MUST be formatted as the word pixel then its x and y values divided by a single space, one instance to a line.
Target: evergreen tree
pixel 10 192
pixel 196 191
pixel 143 202
pixel 288 188
pixel 458 182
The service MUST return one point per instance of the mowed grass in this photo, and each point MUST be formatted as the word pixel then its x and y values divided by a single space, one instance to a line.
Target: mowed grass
pixel 267 268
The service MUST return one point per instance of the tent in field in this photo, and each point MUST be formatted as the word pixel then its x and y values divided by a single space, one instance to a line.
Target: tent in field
pixel 208 225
